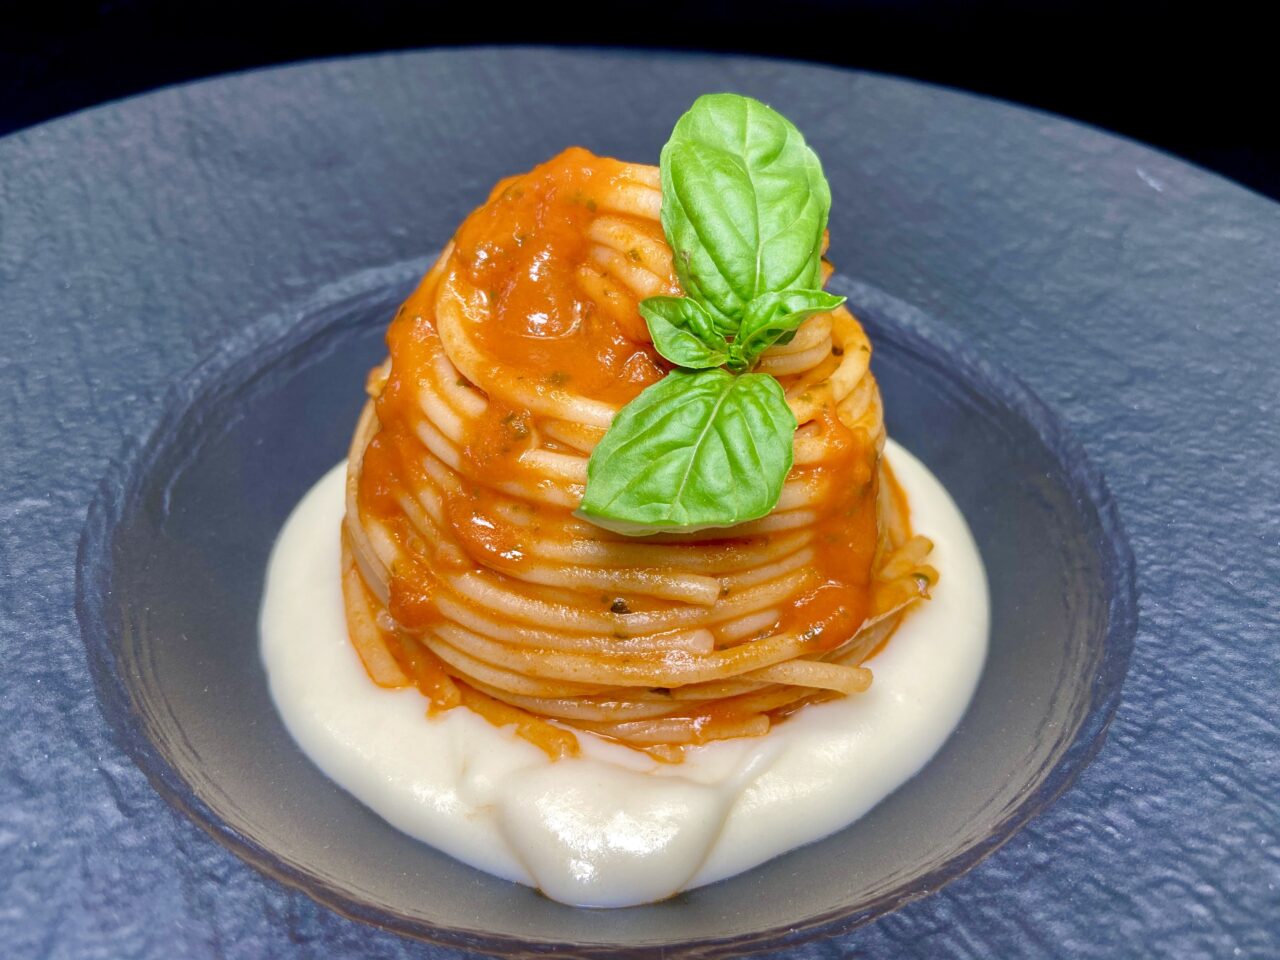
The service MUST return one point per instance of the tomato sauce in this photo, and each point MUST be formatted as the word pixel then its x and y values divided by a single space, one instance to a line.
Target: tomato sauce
pixel 526 250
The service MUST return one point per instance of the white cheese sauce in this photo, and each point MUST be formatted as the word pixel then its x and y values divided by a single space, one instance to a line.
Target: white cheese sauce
pixel 613 827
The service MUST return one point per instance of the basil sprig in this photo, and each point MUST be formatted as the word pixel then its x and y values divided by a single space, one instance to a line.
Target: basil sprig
pixel 744 208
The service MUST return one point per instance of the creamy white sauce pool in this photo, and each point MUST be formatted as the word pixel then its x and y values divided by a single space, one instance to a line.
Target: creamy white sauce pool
pixel 612 827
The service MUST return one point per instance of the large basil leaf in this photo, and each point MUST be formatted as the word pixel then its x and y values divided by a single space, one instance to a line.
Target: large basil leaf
pixel 744 204
pixel 684 333
pixel 774 318
pixel 694 450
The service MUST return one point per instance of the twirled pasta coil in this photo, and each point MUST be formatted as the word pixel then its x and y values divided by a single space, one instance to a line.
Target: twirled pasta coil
pixel 659 642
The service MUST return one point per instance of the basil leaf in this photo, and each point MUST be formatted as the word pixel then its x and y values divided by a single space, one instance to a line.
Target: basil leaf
pixel 774 318
pixel 744 204
pixel 683 332
pixel 694 450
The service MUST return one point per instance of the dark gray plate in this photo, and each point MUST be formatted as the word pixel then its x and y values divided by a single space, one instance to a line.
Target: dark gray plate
pixel 1134 294
pixel 172 567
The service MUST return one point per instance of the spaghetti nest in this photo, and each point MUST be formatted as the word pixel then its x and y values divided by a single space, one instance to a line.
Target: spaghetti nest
pixel 465 570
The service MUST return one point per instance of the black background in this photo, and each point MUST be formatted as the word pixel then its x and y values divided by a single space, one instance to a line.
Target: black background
pixel 1198 81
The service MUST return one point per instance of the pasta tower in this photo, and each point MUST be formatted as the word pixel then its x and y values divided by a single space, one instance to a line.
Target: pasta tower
pixel 466 572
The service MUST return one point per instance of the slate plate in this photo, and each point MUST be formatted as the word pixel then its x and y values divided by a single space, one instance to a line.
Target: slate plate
pixel 1137 296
